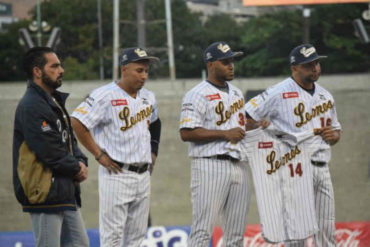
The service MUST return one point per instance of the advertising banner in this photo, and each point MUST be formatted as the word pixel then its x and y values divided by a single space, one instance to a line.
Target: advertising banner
pixel 158 236
pixel 296 2
pixel 347 234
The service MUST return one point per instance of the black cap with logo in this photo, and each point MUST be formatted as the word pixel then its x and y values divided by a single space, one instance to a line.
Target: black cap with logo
pixel 302 54
pixel 218 51
pixel 135 54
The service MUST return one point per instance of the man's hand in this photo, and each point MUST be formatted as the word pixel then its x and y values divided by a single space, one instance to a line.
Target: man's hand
pixel 234 135
pixel 109 164
pixel 82 175
pixel 151 166
pixel 252 124
pixel 329 135
pixel 263 123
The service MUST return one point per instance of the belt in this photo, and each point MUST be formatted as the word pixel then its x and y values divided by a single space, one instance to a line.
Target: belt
pixel 132 168
pixel 223 157
pixel 318 163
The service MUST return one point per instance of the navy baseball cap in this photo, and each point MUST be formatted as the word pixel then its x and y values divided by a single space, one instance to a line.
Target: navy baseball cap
pixel 219 51
pixel 302 54
pixel 135 54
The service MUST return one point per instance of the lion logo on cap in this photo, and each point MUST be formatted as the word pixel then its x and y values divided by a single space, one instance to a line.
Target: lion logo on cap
pixel 307 52
pixel 224 48
pixel 140 53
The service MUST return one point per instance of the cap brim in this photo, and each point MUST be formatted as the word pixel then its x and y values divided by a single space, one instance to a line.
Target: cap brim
pixel 150 59
pixel 234 54
pixel 311 60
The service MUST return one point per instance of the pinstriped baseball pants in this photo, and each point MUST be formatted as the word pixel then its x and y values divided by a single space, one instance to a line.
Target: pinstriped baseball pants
pixel 325 211
pixel 123 208
pixel 219 188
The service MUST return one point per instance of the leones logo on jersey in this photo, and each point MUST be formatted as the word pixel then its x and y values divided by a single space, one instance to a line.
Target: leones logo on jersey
pixel 224 48
pixel 276 164
pixel 140 53
pixel 305 117
pixel 307 52
pixel 224 114
pixel 130 120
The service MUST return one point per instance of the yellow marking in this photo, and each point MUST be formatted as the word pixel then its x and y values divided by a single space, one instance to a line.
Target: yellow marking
pixel 81 110
pixel 253 102
pixel 185 120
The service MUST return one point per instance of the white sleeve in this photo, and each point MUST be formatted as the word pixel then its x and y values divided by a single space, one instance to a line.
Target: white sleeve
pixel 92 111
pixel 334 121
pixel 193 110
pixel 260 106
pixel 154 115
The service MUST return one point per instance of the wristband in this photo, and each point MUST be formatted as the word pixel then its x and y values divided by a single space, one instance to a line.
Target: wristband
pixel 97 158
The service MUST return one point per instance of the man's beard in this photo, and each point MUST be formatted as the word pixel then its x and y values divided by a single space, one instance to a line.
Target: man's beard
pixel 50 83
pixel 312 78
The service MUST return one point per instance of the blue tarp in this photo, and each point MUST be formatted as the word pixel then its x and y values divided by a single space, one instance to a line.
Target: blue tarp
pixel 156 236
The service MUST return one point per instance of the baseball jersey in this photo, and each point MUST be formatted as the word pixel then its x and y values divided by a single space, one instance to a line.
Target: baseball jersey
pixel 292 109
pixel 119 122
pixel 208 107
pixel 282 176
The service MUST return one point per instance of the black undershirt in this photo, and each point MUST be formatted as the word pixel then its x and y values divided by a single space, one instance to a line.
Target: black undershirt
pixel 310 91
pixel 223 89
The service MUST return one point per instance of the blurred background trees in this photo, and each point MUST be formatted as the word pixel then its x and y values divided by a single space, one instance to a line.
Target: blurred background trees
pixel 266 39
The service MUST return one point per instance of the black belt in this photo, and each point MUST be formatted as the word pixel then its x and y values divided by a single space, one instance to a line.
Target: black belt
pixel 132 168
pixel 223 157
pixel 318 163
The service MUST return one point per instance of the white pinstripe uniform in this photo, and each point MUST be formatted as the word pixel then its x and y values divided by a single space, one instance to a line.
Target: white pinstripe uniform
pixel 293 110
pixel 120 124
pixel 282 175
pixel 218 187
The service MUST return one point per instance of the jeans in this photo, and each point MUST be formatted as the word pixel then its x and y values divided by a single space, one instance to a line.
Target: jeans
pixel 65 229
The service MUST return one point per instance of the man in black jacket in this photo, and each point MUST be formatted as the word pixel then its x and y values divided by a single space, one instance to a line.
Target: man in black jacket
pixel 47 164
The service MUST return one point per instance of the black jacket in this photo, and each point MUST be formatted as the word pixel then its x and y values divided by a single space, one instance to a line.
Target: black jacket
pixel 44 160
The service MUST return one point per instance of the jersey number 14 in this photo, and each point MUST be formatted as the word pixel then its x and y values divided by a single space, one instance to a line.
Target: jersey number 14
pixel 298 170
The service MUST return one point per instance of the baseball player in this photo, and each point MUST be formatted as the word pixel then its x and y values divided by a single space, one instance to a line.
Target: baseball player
pixel 299 104
pixel 121 116
pixel 212 115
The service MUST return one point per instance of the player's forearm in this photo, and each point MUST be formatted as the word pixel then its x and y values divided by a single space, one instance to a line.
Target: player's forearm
pixel 85 137
pixel 202 135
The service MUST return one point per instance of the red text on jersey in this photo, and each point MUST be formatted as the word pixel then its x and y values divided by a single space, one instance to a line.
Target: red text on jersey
pixel 118 102
pixel 265 144
pixel 213 96
pixel 288 95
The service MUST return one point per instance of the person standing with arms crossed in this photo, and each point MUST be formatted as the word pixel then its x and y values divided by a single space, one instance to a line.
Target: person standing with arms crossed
pixel 300 104
pixel 123 118
pixel 48 166
pixel 212 115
